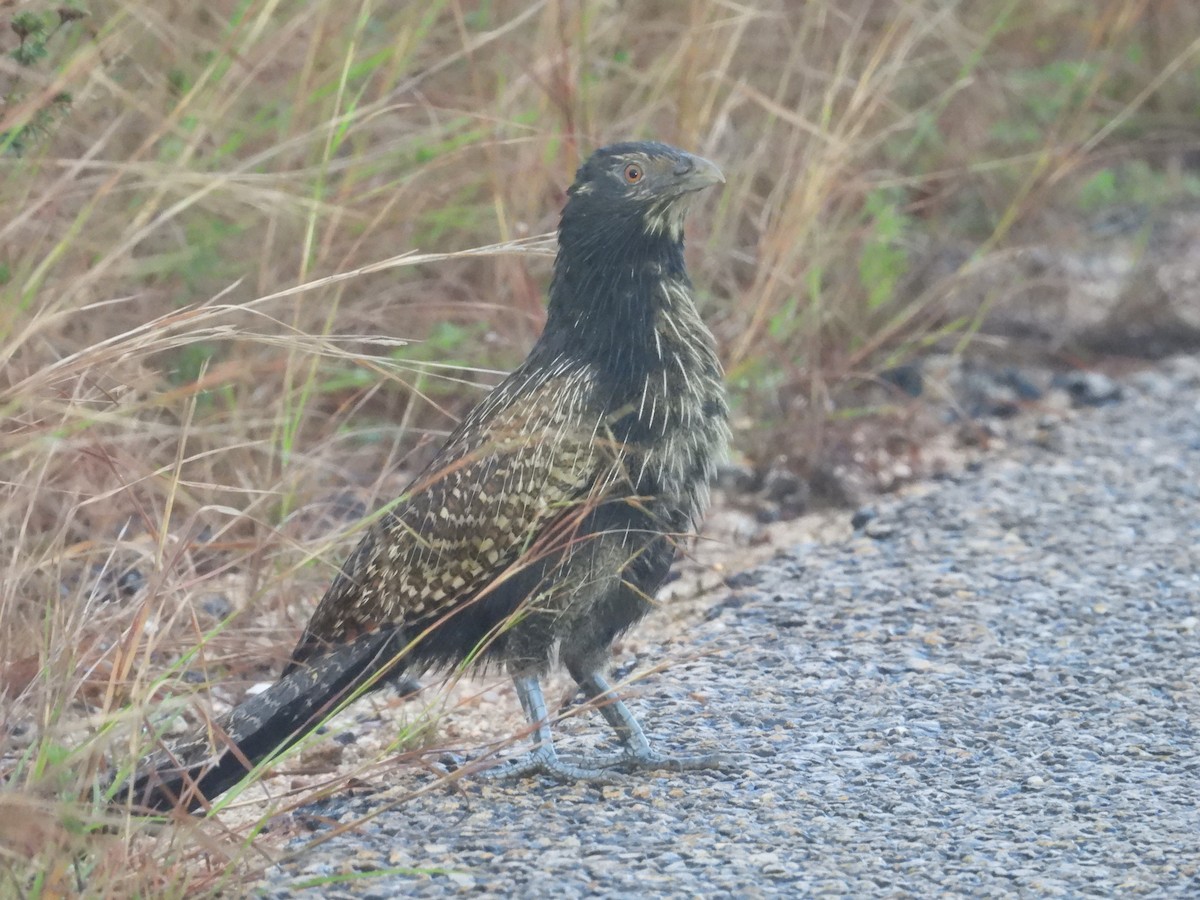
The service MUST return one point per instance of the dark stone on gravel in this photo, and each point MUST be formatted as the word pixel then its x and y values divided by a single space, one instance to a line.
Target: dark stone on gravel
pixel 907 378
pixel 862 516
pixel 130 583
pixel 879 529
pixel 787 489
pixel 738 479
pixel 1089 388
pixel 1021 385
pixel 1000 699
pixel 983 391
pixel 110 584
pixel 742 580
pixel 217 606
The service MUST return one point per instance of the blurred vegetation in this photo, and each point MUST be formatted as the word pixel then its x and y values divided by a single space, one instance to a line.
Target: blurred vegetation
pixel 209 323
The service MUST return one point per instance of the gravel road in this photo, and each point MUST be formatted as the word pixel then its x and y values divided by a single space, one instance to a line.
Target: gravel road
pixel 991 689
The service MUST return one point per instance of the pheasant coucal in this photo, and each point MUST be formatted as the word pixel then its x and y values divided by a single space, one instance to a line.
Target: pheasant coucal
pixel 548 520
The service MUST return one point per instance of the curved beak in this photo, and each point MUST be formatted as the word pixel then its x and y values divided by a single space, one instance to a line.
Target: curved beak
pixel 695 173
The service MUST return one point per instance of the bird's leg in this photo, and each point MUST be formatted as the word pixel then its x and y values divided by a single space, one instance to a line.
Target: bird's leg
pixel 638 754
pixel 542 759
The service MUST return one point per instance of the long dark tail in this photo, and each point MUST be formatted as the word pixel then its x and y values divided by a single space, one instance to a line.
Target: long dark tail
pixel 195 771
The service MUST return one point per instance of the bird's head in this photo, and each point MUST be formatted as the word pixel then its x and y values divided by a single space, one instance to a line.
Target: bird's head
pixel 620 244
pixel 644 184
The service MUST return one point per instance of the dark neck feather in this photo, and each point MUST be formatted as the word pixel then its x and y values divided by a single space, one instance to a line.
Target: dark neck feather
pixel 605 295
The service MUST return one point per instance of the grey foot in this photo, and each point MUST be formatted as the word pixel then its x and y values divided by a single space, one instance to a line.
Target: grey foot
pixel 544 761
pixel 637 755
pixel 652 760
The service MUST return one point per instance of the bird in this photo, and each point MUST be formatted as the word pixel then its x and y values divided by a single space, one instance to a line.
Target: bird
pixel 546 523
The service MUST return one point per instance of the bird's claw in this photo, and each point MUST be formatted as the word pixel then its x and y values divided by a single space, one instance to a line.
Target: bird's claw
pixel 543 761
pixel 630 761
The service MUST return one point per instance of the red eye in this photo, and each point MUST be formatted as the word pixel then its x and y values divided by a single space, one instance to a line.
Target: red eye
pixel 633 173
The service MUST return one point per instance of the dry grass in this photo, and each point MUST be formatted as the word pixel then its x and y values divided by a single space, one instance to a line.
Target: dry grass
pixel 182 423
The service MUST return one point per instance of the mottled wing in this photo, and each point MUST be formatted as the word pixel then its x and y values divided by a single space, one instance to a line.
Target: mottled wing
pixel 518 463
